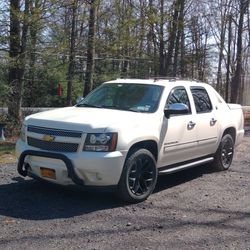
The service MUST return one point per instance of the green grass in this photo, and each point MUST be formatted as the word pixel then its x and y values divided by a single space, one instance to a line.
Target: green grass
pixel 7 146
pixel 7 152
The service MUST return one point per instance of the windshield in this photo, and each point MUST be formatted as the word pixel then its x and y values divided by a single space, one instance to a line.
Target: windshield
pixel 131 97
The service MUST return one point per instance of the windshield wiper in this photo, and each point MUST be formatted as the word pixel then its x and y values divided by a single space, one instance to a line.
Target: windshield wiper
pixel 87 105
pixel 109 107
pixel 119 108
pixel 135 110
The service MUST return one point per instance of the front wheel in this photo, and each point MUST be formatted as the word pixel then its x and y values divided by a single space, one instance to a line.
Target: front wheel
pixel 139 176
pixel 224 154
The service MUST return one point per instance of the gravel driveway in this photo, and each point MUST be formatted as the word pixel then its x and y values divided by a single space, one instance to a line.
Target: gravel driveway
pixel 193 209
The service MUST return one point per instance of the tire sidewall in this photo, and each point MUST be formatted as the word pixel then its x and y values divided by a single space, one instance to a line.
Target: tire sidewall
pixel 219 156
pixel 124 181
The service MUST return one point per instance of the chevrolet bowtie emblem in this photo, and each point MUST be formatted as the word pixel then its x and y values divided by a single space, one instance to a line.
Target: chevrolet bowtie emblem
pixel 48 138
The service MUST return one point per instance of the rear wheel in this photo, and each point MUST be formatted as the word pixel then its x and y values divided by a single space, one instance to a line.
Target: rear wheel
pixel 139 176
pixel 224 154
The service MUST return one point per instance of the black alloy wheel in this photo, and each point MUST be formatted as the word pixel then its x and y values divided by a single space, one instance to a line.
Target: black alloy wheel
pixel 227 152
pixel 224 154
pixel 139 176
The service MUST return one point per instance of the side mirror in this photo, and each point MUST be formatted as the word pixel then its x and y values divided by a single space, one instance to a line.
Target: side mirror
pixel 176 109
pixel 79 99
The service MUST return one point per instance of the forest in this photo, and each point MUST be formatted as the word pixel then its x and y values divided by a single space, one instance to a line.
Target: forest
pixel 52 51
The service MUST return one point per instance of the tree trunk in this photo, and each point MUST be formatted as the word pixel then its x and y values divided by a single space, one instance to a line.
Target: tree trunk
pixel 71 67
pixel 172 36
pixel 222 41
pixel 151 28
pixel 236 81
pixel 91 48
pixel 17 54
pixel 195 56
pixel 35 9
pixel 142 28
pixel 162 64
pixel 14 98
pixel 178 41
pixel 152 45
pixel 182 62
pixel 228 57
pixel 204 58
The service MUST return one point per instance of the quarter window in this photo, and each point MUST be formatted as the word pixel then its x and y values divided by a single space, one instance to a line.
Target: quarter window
pixel 201 100
pixel 178 95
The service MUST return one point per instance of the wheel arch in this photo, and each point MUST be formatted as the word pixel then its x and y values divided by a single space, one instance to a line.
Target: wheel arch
pixel 231 131
pixel 150 145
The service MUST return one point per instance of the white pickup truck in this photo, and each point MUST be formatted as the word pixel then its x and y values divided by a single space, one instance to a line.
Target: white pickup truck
pixel 127 131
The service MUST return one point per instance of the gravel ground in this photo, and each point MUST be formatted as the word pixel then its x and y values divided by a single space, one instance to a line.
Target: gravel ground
pixel 195 209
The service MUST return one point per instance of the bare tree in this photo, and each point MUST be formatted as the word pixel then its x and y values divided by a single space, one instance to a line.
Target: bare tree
pixel 229 41
pixel 180 28
pixel 236 80
pixel 17 54
pixel 36 11
pixel 91 47
pixel 172 35
pixel 151 37
pixel 71 67
pixel 161 38
pixel 54 41
pixel 224 8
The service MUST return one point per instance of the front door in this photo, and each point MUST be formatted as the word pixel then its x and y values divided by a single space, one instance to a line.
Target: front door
pixel 178 132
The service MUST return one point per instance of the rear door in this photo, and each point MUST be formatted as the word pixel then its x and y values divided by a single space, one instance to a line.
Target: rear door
pixel 206 121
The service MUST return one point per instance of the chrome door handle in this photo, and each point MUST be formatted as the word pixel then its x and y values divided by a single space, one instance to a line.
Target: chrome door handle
pixel 191 125
pixel 212 122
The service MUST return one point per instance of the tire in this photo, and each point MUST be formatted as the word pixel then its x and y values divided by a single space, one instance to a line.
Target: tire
pixel 224 154
pixel 138 177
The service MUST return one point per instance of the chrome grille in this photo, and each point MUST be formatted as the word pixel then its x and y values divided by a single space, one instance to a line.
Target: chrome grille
pixel 55 132
pixel 52 146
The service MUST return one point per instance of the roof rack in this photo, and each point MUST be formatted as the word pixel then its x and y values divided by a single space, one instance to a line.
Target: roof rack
pixel 173 79
pixel 157 78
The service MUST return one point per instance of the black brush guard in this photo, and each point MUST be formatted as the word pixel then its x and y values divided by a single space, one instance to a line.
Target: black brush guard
pixel 22 170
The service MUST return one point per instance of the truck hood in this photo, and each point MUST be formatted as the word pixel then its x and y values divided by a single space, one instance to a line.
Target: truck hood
pixel 88 119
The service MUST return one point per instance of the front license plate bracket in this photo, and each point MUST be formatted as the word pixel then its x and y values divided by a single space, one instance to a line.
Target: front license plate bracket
pixel 48 173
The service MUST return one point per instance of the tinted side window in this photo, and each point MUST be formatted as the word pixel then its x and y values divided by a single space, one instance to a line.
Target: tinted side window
pixel 178 95
pixel 201 100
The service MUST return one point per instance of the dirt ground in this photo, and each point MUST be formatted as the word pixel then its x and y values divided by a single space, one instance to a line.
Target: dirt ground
pixel 193 209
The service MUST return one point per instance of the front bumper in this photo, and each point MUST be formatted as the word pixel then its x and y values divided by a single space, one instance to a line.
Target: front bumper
pixel 23 169
pixel 81 168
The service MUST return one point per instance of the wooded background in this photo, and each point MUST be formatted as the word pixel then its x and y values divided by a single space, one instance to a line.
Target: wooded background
pixel 81 43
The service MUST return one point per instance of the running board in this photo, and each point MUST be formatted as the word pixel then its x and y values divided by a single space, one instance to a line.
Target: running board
pixel 185 166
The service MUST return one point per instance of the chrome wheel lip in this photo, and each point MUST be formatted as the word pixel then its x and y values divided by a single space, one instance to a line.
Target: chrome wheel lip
pixel 141 176
pixel 227 153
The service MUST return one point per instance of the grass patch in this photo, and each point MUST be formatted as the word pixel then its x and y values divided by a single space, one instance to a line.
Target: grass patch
pixel 7 152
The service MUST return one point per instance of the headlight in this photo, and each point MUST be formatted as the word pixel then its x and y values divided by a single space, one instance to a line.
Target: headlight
pixel 101 142
pixel 23 133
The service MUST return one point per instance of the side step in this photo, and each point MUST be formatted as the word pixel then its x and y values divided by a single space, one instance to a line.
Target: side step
pixel 171 170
